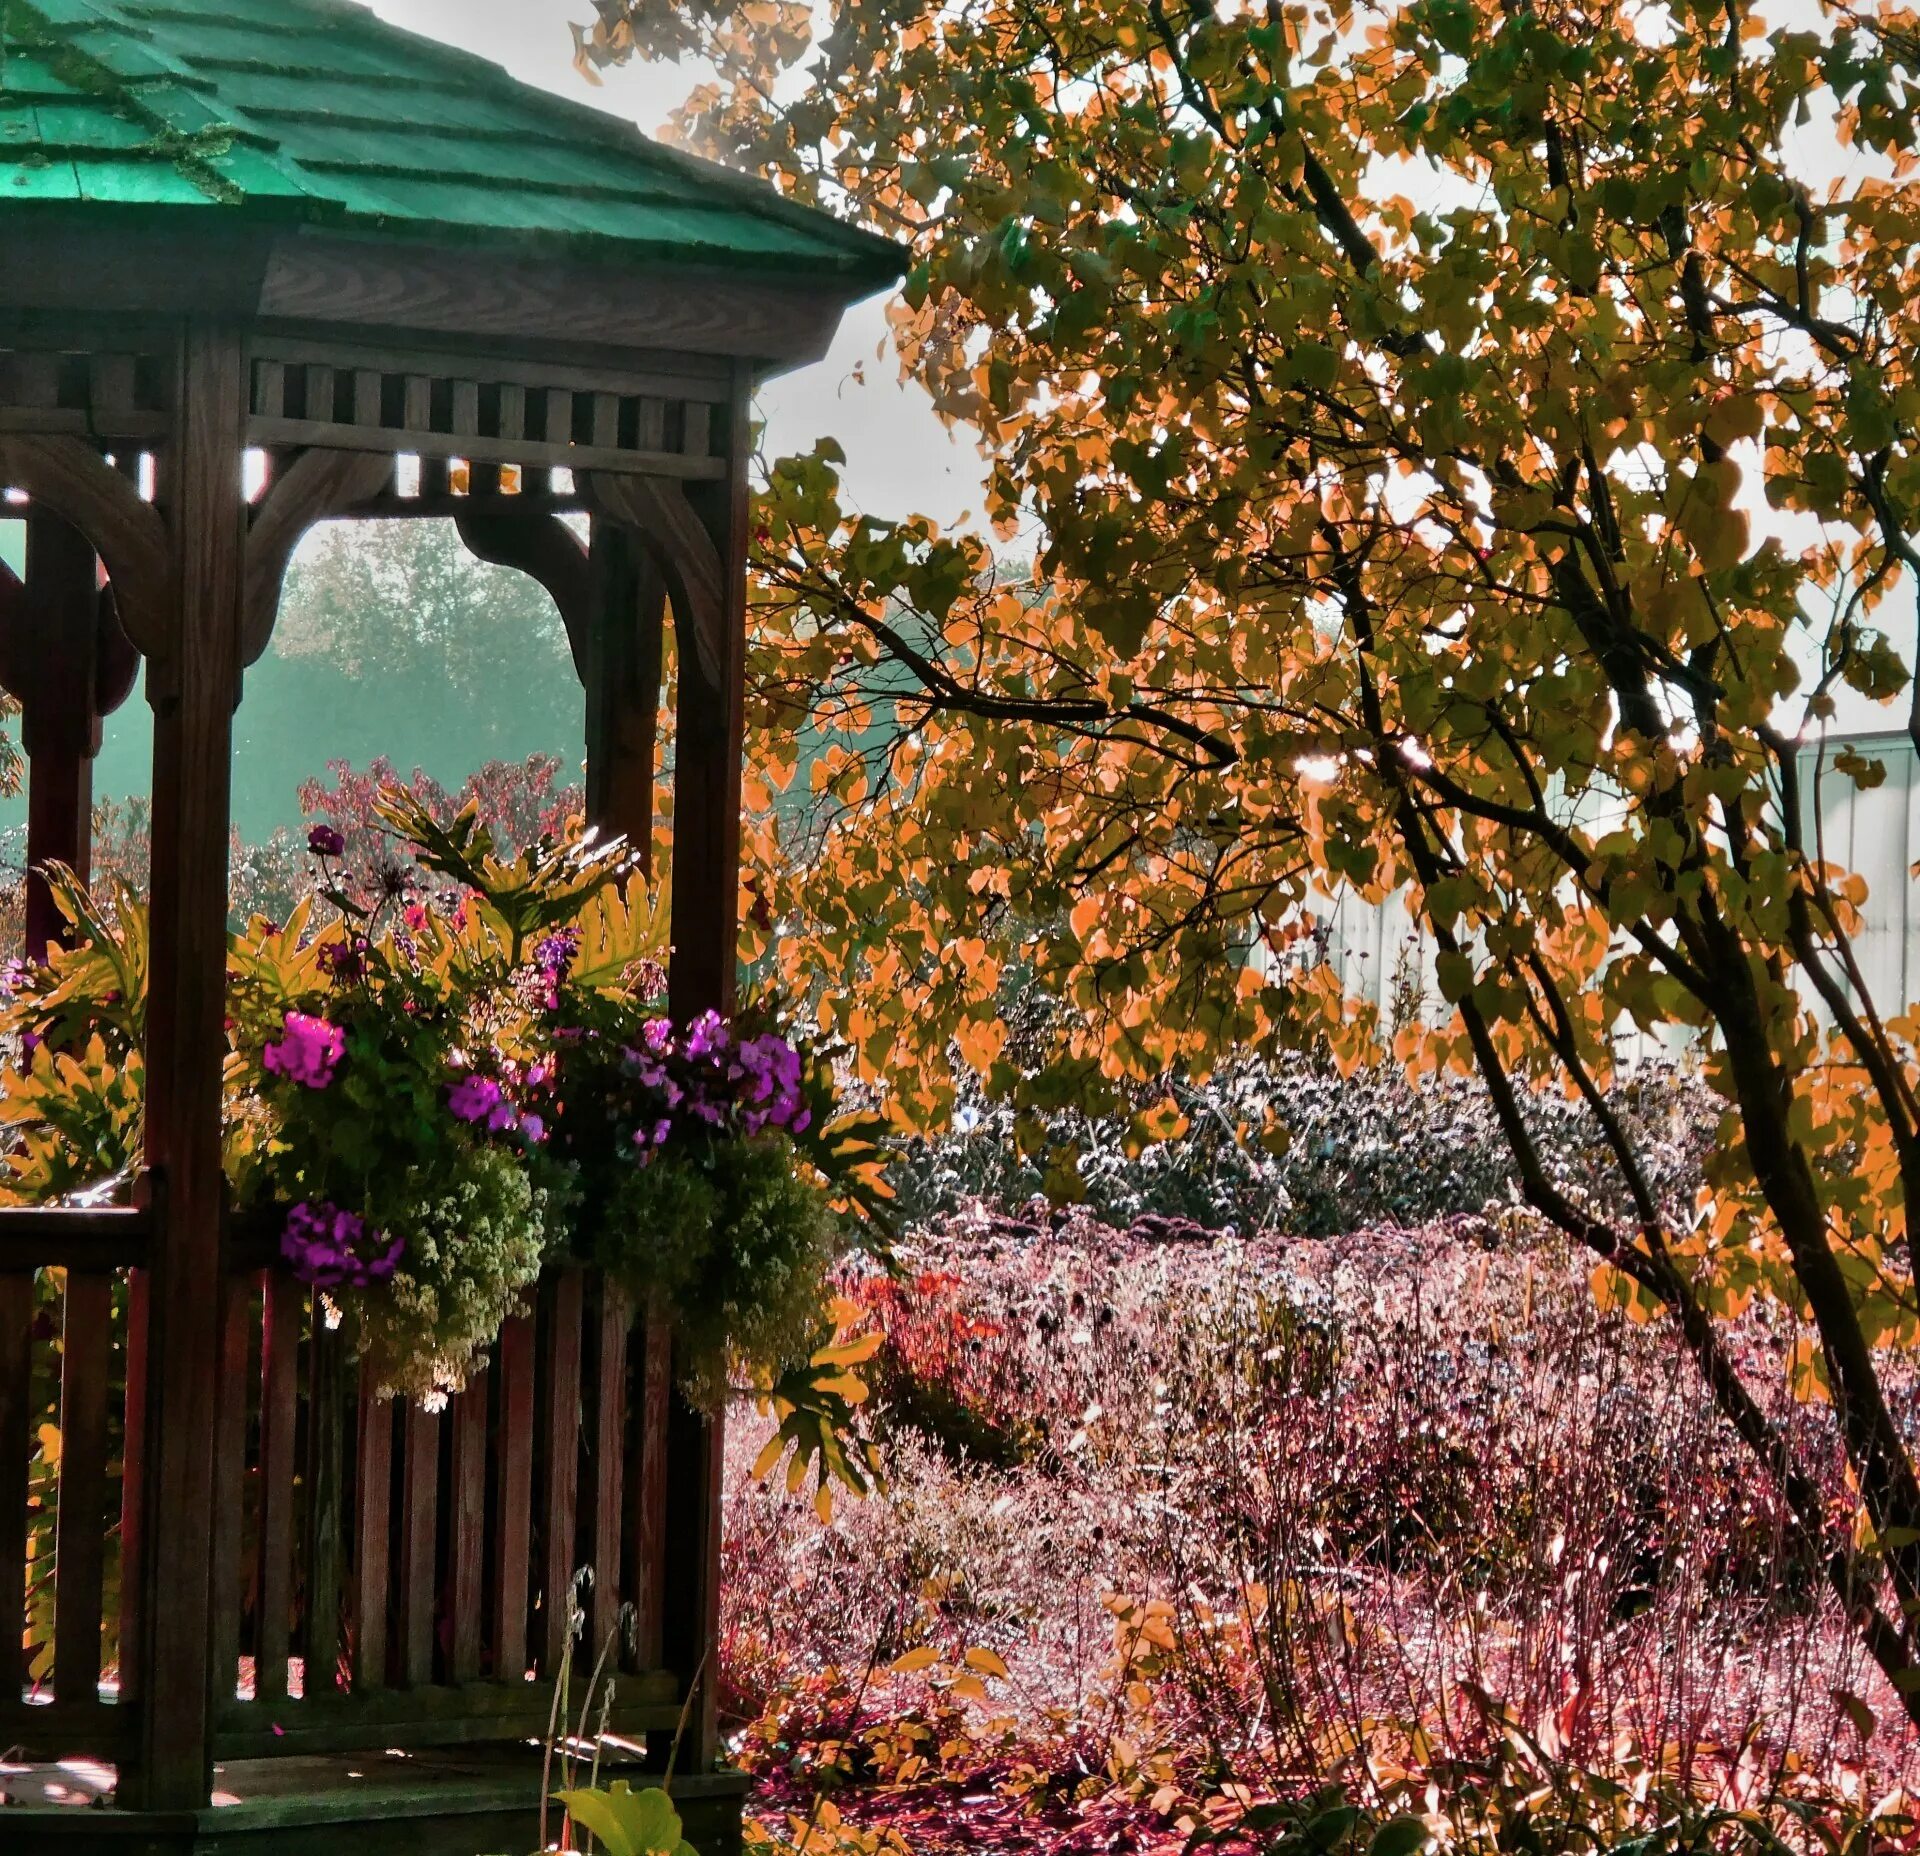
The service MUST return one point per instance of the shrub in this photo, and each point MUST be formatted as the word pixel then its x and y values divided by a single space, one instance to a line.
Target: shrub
pixel 1402 1514
pixel 1293 1145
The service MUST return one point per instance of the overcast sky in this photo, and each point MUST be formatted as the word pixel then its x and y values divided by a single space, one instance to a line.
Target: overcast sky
pixel 900 460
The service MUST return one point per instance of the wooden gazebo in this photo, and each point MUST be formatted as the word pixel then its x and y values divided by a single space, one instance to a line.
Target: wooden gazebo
pixel 408 286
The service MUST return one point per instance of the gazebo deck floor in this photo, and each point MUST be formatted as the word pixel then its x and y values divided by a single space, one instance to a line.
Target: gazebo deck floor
pixel 471 1802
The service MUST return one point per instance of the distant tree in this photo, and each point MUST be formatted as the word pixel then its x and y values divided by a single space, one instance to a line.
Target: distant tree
pixel 393 640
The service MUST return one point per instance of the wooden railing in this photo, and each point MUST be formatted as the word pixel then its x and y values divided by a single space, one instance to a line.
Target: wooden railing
pixel 382 1575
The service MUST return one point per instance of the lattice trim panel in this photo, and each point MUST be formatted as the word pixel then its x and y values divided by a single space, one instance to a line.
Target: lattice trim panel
pixel 452 408
pixel 87 394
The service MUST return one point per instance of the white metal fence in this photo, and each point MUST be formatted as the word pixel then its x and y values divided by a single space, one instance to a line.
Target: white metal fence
pixel 1381 955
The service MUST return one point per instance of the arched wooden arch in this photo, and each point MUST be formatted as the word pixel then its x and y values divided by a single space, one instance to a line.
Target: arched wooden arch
pixel 67 661
pixel 72 478
pixel 314 485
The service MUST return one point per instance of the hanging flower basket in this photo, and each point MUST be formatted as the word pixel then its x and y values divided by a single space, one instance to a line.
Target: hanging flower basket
pixel 435 1093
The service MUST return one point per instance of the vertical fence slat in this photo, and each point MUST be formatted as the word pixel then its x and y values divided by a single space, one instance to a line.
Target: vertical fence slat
pixel 609 1454
pixel 228 1525
pixel 279 1401
pixel 467 1528
pixel 132 1480
pixel 325 1519
pixel 647 1490
pixel 561 1506
pixel 16 1362
pixel 373 1507
pixel 419 1531
pixel 514 1543
pixel 79 1547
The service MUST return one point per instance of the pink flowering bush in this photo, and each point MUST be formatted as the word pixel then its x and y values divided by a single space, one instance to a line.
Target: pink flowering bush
pixel 1190 1544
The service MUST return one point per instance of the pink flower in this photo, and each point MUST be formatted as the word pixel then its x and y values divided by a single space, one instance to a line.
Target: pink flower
pixel 307 1052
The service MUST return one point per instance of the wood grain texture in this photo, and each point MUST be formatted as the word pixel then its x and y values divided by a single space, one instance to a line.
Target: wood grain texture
pixel 193 681
pixel 279 1400
pixel 703 974
pixel 419 1541
pixel 132 1485
pixel 79 1551
pixel 609 1466
pixel 74 1237
pixel 560 1495
pixel 647 1490
pixel 71 269
pixel 16 1455
pixel 48 663
pixel 326 1503
pixel 502 367
pixel 467 1530
pixel 227 1527
pixel 436 447
pixel 373 1549
pixel 622 674
pixel 662 513
pixel 74 480
pixel 398 286
pixel 513 1535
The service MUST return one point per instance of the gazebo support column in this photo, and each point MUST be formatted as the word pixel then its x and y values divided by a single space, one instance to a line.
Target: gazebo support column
pixel 709 743
pixel 618 652
pixel 192 685
pixel 622 674
pixel 694 542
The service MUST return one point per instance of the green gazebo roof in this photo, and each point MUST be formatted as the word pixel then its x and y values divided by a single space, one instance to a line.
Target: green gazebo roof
pixel 316 111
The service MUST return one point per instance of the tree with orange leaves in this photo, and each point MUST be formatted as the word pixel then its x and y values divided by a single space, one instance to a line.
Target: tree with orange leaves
pixel 1474 444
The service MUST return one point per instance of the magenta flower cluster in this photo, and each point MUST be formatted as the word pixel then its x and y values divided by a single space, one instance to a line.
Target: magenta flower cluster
pixel 307 1052
pixel 481 1102
pixel 707 1078
pixel 336 1249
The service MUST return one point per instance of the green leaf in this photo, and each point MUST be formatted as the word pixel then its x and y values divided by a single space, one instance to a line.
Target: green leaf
pixel 628 1822
pixel 1399 1836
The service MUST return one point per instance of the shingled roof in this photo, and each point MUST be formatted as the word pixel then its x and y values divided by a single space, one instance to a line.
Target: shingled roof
pixel 317 111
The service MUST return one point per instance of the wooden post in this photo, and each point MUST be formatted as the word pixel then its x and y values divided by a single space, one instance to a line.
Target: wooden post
pixel 623 651
pixel 701 976
pixel 59 725
pixel 192 684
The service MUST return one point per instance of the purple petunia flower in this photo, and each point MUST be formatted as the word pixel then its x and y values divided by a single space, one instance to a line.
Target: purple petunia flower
pixel 706 1035
pixel 481 1099
pixel 325 841
pixel 307 1052
pixel 554 954
pixel 336 1249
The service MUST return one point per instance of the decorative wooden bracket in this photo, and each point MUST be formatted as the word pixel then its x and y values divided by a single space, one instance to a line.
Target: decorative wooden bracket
pixel 317 484
pixel 76 482
pixel 116 664
pixel 545 549
pixel 657 510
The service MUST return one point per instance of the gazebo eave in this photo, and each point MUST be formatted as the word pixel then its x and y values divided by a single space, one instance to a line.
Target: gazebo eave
pixel 109 262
